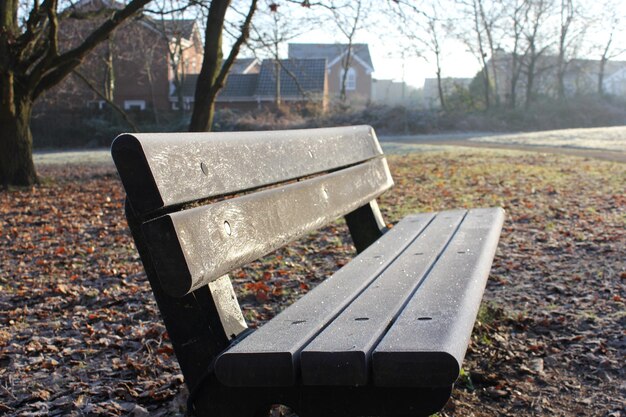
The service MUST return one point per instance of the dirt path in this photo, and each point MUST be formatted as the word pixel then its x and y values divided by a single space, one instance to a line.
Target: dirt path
pixel 601 143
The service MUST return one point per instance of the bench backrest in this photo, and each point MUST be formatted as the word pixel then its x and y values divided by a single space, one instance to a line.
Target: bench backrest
pixel 285 184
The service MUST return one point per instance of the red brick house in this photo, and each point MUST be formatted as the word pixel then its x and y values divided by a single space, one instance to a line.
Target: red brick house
pixel 360 67
pixel 137 68
pixel 298 83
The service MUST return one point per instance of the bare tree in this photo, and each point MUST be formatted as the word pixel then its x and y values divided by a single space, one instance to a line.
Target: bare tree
pixel 572 28
pixel 610 22
pixel 274 26
pixel 537 43
pixel 32 62
pixel 174 20
pixel 104 95
pixel 490 16
pixel 480 50
pixel 349 16
pixel 518 11
pixel 214 70
pixel 425 30
pixel 483 16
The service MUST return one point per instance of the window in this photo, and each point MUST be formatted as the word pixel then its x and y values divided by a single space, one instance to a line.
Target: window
pixel 350 79
pixel 97 105
pixel 134 104
pixel 187 103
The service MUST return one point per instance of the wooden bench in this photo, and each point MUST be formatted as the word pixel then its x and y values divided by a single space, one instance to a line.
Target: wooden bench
pixel 385 335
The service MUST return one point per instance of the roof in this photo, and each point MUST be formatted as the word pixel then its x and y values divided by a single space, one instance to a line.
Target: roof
pixel 240 85
pixel 245 66
pixel 297 77
pixel 176 28
pixel 331 52
pixel 95 5
pixel 170 27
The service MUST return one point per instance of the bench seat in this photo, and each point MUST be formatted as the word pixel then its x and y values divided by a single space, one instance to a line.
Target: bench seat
pixel 400 314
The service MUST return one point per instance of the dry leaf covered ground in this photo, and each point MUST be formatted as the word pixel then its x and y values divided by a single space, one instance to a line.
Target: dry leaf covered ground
pixel 80 334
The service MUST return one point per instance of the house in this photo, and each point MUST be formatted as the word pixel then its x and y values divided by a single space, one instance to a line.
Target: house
pixel 359 69
pixel 251 84
pixel 243 74
pixel 581 76
pixel 137 68
pixel 296 81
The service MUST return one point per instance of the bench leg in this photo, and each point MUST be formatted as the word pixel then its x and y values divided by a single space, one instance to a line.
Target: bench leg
pixel 366 225
pixel 192 323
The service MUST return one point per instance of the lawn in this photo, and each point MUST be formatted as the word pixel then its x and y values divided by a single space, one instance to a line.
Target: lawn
pixel 81 335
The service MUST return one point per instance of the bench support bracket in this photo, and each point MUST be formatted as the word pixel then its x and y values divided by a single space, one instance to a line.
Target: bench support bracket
pixel 366 225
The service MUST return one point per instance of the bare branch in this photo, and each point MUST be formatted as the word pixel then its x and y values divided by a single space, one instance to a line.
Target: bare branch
pixel 104 97
pixel 62 65
pixel 234 51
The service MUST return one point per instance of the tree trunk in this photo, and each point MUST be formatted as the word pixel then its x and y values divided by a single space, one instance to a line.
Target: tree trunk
pixel 514 78
pixel 560 79
pixel 530 81
pixel 277 74
pixel 483 55
pixel 346 67
pixel 530 77
pixel 601 76
pixel 204 104
pixel 16 144
pixel 442 99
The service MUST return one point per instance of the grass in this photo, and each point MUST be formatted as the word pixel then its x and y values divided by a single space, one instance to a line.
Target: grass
pixel 565 225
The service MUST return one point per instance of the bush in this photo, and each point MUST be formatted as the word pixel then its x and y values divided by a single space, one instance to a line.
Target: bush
pixel 90 129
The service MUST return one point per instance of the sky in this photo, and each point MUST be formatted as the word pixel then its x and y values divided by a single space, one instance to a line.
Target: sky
pixel 388 63
pixel 385 42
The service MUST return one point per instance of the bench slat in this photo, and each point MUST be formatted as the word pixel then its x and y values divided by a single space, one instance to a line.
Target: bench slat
pixel 427 343
pixel 191 248
pixel 340 355
pixel 253 362
pixel 164 169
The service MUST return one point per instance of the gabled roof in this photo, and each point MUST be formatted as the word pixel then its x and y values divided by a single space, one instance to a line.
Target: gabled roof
pixel 331 52
pixel 245 66
pixel 175 28
pixel 240 85
pixel 96 5
pixel 298 77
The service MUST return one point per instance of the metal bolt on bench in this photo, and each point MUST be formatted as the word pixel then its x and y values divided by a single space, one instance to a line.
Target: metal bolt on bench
pixel 384 336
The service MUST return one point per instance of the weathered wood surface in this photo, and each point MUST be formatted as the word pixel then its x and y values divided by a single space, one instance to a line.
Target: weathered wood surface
pixel 254 361
pixel 168 169
pixel 409 325
pixel 192 322
pixel 340 355
pixel 427 343
pixel 191 248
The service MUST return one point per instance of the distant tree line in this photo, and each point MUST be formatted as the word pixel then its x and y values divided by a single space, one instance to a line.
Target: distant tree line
pixel 531 37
